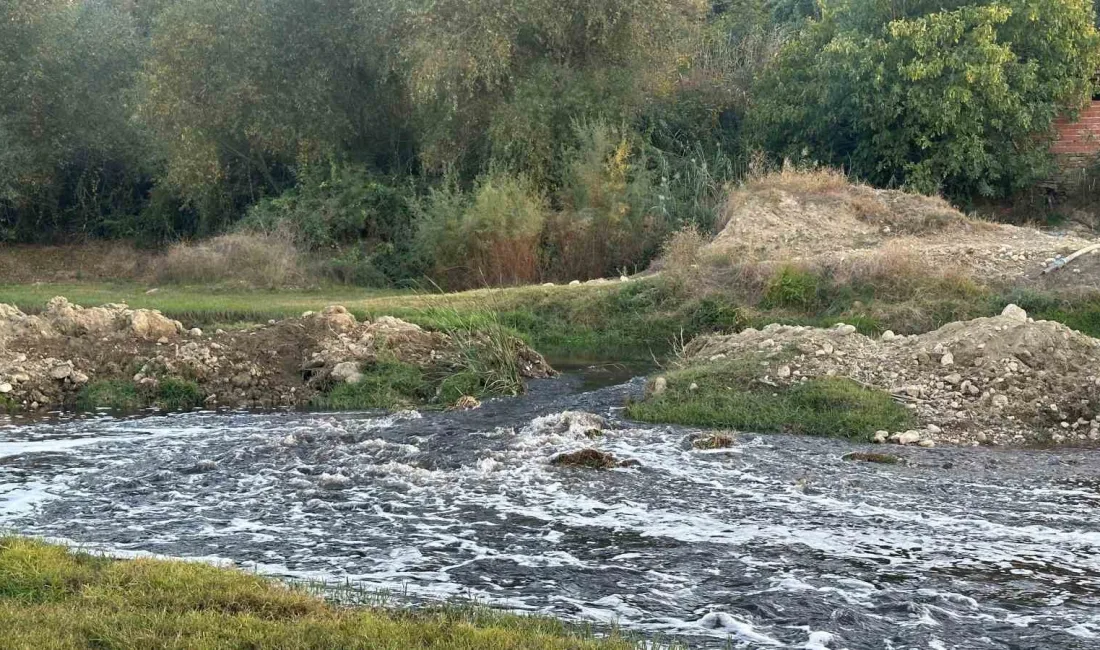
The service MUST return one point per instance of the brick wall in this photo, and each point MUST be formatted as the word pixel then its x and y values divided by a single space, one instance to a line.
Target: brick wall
pixel 1078 143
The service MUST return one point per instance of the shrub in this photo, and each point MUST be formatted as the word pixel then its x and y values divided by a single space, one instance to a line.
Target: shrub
pixel 268 260
pixel 792 287
pixel 490 235
pixel 611 216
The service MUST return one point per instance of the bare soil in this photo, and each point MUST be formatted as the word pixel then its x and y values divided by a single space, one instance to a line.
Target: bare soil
pixel 46 359
pixel 821 219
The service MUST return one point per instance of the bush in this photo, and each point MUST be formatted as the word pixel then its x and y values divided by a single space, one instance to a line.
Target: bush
pixel 333 206
pixel 489 236
pixel 611 217
pixel 958 99
pixel 267 260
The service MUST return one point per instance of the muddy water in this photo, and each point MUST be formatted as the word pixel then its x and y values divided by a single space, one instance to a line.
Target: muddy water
pixel 776 542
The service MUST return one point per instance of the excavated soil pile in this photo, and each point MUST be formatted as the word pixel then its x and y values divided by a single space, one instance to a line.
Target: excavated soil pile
pixel 822 219
pixel 1001 380
pixel 45 359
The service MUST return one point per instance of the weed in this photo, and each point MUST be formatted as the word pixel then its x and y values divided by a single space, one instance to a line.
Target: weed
pixel 174 394
pixel 117 395
pixel 385 385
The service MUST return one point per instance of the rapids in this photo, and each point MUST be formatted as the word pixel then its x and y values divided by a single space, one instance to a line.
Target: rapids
pixel 774 543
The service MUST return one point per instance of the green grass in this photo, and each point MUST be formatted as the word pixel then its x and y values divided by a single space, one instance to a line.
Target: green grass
pixel 632 321
pixel 386 385
pixel 123 395
pixel 52 599
pixel 727 397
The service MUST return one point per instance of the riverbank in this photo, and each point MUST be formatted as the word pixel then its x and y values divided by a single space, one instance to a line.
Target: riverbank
pixel 53 598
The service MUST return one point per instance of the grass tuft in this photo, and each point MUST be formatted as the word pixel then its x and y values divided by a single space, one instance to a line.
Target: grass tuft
pixel 169 394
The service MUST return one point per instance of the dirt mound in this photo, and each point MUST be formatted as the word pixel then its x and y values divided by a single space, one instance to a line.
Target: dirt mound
pixel 820 218
pixel 1002 380
pixel 46 359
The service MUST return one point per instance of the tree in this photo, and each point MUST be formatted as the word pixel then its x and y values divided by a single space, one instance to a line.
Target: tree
pixel 959 99
pixel 71 155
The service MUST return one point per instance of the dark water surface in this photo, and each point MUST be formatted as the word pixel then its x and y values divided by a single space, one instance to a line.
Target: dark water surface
pixel 776 542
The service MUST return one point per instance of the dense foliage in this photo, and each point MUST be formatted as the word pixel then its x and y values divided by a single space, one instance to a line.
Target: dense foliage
pixel 499 141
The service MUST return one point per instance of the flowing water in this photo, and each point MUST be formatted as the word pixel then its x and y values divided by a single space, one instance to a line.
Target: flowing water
pixel 776 542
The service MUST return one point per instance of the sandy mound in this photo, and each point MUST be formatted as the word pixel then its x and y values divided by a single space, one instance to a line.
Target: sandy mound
pixel 45 359
pixel 820 218
pixel 1003 380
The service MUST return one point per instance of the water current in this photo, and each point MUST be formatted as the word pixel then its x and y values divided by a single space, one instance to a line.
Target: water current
pixel 776 542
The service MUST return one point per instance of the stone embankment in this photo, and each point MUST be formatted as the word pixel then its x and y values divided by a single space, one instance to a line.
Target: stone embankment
pixel 1002 380
pixel 47 358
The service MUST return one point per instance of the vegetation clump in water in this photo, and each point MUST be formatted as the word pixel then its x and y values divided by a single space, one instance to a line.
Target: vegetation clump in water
pixel 727 394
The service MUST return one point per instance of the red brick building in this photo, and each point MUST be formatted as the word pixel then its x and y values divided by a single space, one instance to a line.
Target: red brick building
pixel 1077 143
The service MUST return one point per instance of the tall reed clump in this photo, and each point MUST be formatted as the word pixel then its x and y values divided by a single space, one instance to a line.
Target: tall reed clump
pixel 489 235
pixel 610 216
pixel 490 354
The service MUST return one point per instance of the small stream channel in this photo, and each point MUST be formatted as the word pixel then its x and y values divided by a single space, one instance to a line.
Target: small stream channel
pixel 774 543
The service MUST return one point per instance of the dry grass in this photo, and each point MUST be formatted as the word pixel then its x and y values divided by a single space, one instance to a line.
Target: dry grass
pixel 261 260
pixel 93 261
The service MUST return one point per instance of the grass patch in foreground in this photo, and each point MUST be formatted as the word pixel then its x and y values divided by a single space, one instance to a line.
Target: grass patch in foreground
pixel 728 397
pixel 169 394
pixel 51 598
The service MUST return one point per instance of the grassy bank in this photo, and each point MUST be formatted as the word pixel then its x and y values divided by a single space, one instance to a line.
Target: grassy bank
pixel 53 599
pixel 637 319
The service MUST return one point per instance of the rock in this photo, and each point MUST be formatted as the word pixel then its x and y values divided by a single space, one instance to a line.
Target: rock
pixel 151 325
pixel 1015 313
pixel 827 347
pixel 623 278
pixel 888 336
pixel 194 332
pixel 717 440
pixel 1000 401
pixel 78 378
pixel 242 380
pixel 927 443
pixel 588 457
pixel 881 436
pixel 906 438
pixel 61 371
pixel 466 403
pixel 931 428
pixel 947 359
pixel 660 385
pixel 783 372
pixel 954 379
pixel 337 318
pixel 845 330
pixel 693 387
pixel 575 283
pixel 347 371
pixel 5 388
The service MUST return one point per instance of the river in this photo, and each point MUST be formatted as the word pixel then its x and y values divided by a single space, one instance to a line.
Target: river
pixel 776 542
